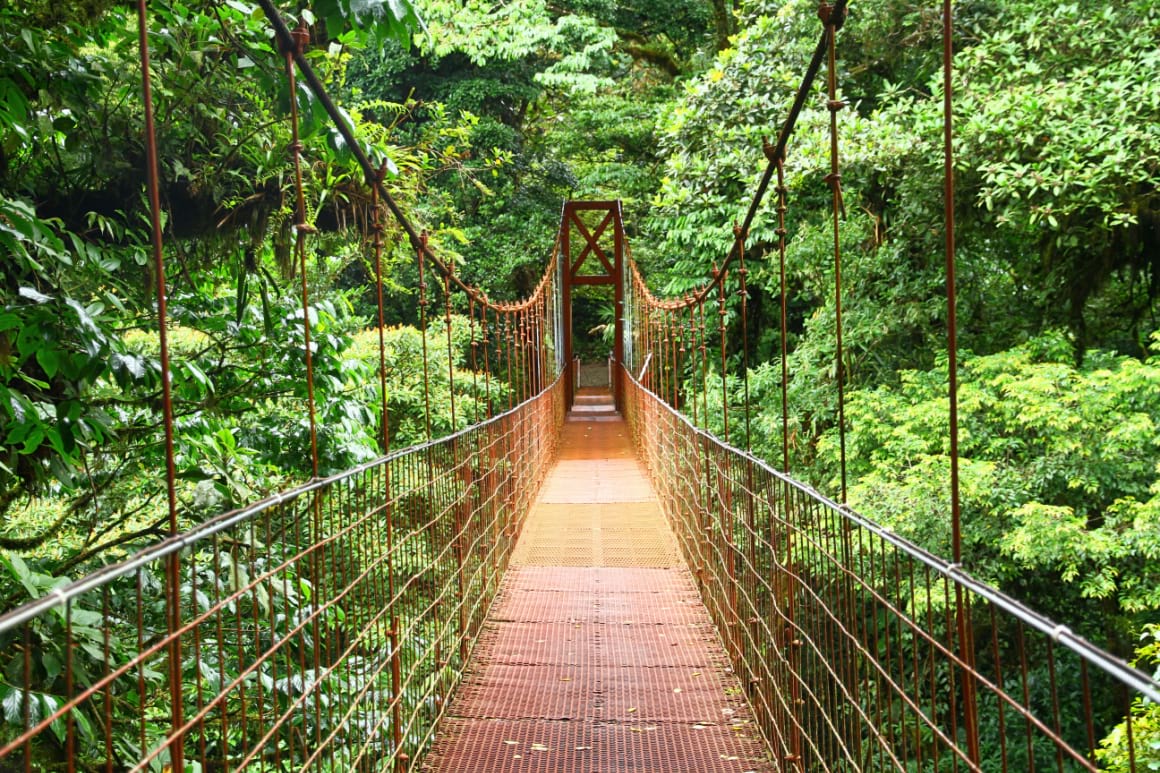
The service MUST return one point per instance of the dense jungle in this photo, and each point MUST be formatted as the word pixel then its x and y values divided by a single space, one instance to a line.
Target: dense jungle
pixel 487 116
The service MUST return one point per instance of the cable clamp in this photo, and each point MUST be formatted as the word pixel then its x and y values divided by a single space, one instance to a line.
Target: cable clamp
pixel 770 151
pixel 835 181
pixel 301 37
pixel 831 19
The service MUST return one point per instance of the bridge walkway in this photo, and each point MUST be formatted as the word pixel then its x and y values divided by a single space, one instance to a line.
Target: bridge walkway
pixel 598 654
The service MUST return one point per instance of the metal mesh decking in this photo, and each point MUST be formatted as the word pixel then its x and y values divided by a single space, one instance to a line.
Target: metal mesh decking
pixel 598 655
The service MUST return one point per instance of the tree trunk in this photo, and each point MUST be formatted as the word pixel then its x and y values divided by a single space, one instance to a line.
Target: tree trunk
pixel 723 22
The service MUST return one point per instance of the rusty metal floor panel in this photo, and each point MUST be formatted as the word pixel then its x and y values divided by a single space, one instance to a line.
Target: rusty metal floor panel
pixel 529 692
pixel 544 606
pixel 540 643
pixel 545 746
pixel 598 654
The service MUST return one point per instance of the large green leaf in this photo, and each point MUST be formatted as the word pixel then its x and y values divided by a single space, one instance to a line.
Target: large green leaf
pixel 377 19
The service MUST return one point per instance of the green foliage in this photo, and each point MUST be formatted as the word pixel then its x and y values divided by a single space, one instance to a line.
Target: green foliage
pixel 79 376
pixel 1119 753
pixel 416 393
pixel 88 656
pixel 374 20
pixel 56 342
pixel 1058 149
pixel 1058 479
pixel 1054 225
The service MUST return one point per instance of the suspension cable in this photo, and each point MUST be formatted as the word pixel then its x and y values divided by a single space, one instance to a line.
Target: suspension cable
pixel 487 360
pixel 724 365
pixel 962 605
pixel 474 344
pixel 423 334
pixel 173 566
pixel 294 45
pixel 952 306
pixel 782 193
pixel 833 19
pixel 377 231
pixel 450 350
pixel 743 293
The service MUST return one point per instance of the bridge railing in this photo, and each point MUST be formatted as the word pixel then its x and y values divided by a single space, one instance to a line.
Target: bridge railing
pixel 322 629
pixel 848 639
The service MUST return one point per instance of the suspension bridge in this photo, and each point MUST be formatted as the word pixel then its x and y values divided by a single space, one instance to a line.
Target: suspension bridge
pixel 585 580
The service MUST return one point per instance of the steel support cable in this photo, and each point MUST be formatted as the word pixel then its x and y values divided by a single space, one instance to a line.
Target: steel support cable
pixel 293 46
pixel 743 292
pixel 377 245
pixel 457 521
pixel 962 606
pixel 782 193
pixel 671 358
pixel 526 351
pixel 517 350
pixel 486 360
pixel 679 331
pixel 704 362
pixel 719 277
pixel 507 342
pixel 693 354
pixel 662 357
pixel 792 641
pixel 423 334
pixel 450 350
pixel 833 22
pixel 173 565
pixel 668 358
pixel 393 621
pixel 430 483
pixel 474 358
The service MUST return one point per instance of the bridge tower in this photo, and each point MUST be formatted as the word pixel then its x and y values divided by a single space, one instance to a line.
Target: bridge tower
pixel 594 229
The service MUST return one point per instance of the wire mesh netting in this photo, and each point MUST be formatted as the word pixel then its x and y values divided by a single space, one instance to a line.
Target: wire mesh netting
pixel 322 629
